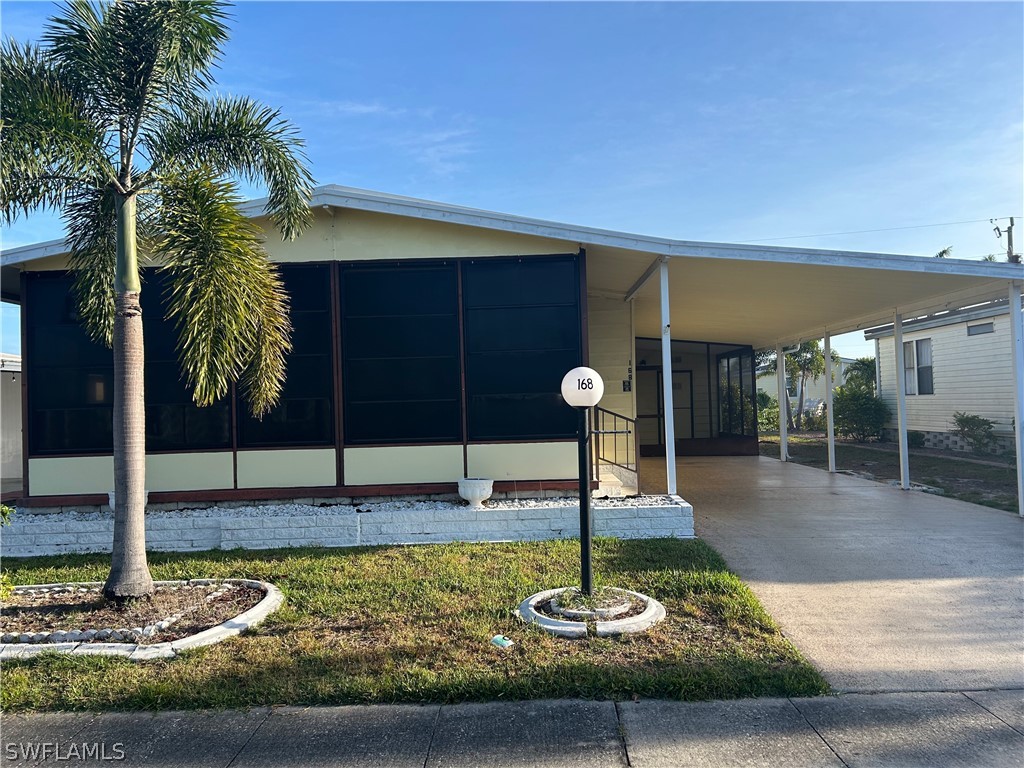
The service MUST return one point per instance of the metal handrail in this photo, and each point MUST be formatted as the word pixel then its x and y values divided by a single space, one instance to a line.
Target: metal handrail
pixel 601 419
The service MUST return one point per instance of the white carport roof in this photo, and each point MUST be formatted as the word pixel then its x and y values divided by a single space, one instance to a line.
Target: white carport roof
pixel 720 292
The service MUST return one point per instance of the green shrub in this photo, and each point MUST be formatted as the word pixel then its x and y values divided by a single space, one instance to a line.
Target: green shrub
pixel 858 413
pixel 915 439
pixel 975 430
pixel 767 414
pixel 6 587
pixel 815 422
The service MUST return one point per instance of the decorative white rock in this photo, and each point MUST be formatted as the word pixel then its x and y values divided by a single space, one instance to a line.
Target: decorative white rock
pixel 476 490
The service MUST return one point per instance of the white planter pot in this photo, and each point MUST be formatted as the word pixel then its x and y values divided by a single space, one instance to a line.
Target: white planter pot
pixel 110 499
pixel 475 490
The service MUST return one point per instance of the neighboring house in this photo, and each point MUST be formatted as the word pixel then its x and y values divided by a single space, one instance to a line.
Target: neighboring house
pixel 953 361
pixel 10 423
pixel 430 341
pixel 814 390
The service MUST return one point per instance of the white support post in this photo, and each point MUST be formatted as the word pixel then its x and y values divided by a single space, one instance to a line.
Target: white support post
pixel 878 370
pixel 831 426
pixel 1017 337
pixel 780 375
pixel 666 382
pixel 901 403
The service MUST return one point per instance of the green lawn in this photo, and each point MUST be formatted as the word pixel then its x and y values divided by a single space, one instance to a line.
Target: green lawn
pixel 994 485
pixel 413 624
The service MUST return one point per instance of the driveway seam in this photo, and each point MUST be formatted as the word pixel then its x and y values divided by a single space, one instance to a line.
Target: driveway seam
pixel 621 729
pixel 433 733
pixel 997 717
pixel 818 733
pixel 241 749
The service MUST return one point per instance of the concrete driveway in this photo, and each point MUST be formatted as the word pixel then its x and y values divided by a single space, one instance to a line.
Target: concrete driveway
pixel 883 589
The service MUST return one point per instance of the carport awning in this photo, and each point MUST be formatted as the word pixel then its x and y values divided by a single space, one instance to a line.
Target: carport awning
pixel 764 296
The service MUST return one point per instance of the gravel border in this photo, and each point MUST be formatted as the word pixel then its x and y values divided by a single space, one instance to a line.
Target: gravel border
pixel 272 600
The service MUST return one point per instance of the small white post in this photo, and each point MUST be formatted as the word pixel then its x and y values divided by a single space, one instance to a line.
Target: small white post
pixel 901 403
pixel 878 370
pixel 780 376
pixel 666 382
pixel 1017 337
pixel 828 404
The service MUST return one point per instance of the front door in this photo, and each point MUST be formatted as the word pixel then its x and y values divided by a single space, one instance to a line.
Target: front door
pixel 650 407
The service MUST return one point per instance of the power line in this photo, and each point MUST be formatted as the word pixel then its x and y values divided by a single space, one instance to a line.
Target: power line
pixel 866 231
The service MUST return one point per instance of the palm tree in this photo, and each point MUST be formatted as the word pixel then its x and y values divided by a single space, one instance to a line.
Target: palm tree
pixel 861 373
pixel 111 122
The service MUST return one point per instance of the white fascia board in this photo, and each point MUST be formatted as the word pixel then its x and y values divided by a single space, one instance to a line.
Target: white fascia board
pixel 12 256
pixel 378 202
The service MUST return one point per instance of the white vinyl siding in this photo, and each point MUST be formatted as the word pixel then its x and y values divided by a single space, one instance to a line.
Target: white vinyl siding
pixel 970 373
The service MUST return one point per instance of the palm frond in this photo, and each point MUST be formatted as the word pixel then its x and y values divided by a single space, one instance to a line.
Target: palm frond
pixel 137 59
pixel 91 222
pixel 51 144
pixel 239 136
pixel 225 297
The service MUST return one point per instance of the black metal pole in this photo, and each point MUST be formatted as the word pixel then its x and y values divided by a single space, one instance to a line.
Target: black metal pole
pixel 586 568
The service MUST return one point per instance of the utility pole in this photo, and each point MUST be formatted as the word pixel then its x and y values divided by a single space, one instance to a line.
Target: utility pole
pixel 1011 257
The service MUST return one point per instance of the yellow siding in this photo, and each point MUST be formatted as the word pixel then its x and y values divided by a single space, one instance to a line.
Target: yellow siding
pixel 164 472
pixel 361 235
pixel 287 469
pixel 59 477
pixel 970 373
pixel 189 471
pixel 524 461
pixel 403 464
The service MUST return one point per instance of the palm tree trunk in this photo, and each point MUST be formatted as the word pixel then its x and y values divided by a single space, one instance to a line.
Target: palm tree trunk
pixel 129 573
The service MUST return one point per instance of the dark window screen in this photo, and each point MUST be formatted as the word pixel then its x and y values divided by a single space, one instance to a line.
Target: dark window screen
pixel 70 379
pixel 173 421
pixel 400 352
pixel 304 415
pixel 522 326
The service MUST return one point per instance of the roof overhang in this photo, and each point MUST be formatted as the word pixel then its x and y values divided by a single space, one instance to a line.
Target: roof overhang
pixel 720 292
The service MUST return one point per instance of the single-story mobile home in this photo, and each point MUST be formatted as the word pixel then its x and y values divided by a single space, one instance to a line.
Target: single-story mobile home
pixel 429 345
pixel 952 361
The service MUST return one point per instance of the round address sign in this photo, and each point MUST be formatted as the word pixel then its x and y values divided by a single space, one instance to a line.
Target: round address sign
pixel 582 387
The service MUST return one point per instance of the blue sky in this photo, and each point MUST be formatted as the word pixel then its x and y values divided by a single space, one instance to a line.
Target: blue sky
pixel 713 121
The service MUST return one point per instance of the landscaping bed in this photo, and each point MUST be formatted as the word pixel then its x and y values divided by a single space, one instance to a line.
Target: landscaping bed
pixel 992 483
pixel 83 615
pixel 414 624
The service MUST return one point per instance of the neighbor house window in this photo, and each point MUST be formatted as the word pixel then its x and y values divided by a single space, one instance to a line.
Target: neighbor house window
pixel 917 367
pixel 400 353
pixel 977 330
pixel 522 326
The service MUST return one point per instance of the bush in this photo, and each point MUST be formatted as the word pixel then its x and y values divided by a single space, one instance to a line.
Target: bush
pixel 975 430
pixel 815 421
pixel 767 413
pixel 915 439
pixel 858 413
pixel 6 587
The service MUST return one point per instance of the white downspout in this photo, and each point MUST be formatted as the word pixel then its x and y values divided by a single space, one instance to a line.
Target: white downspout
pixel 666 382
pixel 831 427
pixel 780 376
pixel 901 402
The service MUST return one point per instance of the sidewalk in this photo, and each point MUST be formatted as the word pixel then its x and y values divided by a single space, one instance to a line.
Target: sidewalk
pixel 892 729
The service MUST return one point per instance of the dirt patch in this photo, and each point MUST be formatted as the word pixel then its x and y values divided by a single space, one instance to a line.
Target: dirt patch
pixel 199 608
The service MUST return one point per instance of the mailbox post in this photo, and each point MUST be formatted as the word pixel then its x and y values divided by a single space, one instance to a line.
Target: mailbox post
pixel 583 388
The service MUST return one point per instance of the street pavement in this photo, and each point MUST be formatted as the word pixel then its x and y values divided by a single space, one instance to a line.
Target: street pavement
pixel 933 729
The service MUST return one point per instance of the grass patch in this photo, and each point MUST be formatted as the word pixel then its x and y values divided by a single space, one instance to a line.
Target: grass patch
pixel 413 624
pixel 992 485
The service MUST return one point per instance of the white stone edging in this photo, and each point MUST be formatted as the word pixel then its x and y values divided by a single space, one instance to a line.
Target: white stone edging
pixel 272 600
pixel 653 613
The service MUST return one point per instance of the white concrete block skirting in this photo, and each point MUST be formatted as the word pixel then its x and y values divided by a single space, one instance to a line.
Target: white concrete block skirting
pixel 272 600
pixel 388 522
